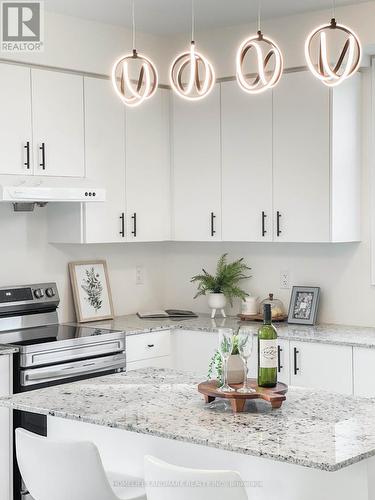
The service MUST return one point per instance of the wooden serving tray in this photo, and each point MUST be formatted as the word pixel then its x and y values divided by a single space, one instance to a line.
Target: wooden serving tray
pixel 259 317
pixel 274 395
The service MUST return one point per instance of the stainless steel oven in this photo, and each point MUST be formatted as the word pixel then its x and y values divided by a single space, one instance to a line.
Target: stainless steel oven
pixel 50 353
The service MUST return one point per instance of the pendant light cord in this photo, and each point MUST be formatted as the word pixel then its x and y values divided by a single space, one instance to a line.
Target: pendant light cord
pixel 133 26
pixel 259 13
pixel 192 20
pixel 334 9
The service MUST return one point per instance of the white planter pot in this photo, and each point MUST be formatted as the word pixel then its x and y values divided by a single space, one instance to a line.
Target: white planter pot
pixel 236 373
pixel 217 301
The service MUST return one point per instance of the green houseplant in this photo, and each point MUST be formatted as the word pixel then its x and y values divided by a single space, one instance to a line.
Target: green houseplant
pixel 235 366
pixel 223 285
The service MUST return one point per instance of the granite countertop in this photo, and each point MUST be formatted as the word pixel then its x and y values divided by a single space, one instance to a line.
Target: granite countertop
pixel 325 333
pixel 312 429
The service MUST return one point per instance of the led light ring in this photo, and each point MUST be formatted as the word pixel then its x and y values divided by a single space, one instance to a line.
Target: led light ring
pixel 260 82
pixel 192 59
pixel 130 91
pixel 323 70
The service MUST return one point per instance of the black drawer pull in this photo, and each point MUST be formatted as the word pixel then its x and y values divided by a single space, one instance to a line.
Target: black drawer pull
pixel 43 150
pixel 213 217
pixel 296 369
pixel 122 218
pixel 27 162
pixel 278 217
pixel 279 365
pixel 264 231
pixel 150 345
pixel 134 232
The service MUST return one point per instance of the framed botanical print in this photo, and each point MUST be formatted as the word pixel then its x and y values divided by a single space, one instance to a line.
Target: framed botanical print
pixel 91 290
pixel 303 307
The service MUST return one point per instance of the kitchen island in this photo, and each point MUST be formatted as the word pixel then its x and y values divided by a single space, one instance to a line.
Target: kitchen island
pixel 317 446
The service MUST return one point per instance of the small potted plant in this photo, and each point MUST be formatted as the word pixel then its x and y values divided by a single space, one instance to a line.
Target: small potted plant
pixel 235 366
pixel 222 286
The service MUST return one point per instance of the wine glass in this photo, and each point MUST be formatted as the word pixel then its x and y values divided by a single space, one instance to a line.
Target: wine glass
pixel 245 341
pixel 225 349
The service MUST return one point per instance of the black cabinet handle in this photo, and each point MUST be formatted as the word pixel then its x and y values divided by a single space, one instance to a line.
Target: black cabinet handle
pixel 296 369
pixel 27 162
pixel 150 345
pixel 264 231
pixel 134 232
pixel 278 217
pixel 213 217
pixel 43 150
pixel 279 365
pixel 122 231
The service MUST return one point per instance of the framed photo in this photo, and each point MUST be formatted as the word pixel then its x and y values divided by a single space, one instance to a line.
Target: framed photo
pixel 91 290
pixel 303 307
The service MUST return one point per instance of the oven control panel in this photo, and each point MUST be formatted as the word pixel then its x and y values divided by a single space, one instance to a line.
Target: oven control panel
pixel 28 295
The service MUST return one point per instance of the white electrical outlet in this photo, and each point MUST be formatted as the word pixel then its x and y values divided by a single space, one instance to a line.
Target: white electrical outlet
pixel 139 275
pixel 284 279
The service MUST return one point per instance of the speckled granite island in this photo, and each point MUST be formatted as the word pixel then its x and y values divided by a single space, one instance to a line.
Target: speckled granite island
pixel 317 446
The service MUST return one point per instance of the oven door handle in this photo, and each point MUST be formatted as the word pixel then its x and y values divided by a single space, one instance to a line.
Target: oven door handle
pixel 83 369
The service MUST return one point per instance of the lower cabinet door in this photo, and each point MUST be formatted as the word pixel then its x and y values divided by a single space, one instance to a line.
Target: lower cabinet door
pixel 6 424
pixel 193 351
pixel 363 367
pixel 321 366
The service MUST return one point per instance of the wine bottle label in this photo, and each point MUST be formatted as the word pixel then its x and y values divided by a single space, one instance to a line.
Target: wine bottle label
pixel 268 353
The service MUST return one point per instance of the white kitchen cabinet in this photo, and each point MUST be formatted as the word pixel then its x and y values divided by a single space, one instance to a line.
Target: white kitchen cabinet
pixel 363 369
pixel 193 350
pixel 316 150
pixel 105 167
pixel 58 123
pixel 15 133
pixel 105 162
pixel 321 366
pixel 283 369
pixel 196 185
pixel 160 362
pixel 6 424
pixel 246 123
pixel 148 170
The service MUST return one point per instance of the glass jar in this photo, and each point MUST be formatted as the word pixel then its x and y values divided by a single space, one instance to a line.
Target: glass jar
pixel 277 307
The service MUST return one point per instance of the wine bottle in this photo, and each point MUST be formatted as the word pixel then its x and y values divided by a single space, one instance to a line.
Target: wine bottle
pixel 267 351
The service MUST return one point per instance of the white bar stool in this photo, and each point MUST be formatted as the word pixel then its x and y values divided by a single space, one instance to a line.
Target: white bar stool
pixel 62 470
pixel 170 482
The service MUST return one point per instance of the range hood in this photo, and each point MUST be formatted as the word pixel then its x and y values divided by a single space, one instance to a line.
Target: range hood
pixel 24 198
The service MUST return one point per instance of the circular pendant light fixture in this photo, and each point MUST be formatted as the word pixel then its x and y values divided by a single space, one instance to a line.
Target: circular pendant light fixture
pixel 348 61
pixel 192 76
pixel 266 52
pixel 134 76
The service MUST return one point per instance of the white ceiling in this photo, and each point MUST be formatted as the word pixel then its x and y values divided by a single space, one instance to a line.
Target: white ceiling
pixel 169 17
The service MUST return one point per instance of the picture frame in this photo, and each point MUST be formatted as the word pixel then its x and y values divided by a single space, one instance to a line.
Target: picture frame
pixel 91 290
pixel 304 303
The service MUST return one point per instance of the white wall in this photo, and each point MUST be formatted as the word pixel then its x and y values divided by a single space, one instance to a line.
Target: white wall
pixel 26 257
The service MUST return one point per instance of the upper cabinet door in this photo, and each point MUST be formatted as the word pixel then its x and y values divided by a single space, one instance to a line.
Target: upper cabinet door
pixel 58 123
pixel 148 170
pixel 105 161
pixel 246 164
pixel 301 159
pixel 15 134
pixel 196 168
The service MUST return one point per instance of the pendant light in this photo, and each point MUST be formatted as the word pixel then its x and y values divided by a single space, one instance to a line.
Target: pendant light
pixel 133 91
pixel 192 76
pixel 348 61
pixel 265 77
